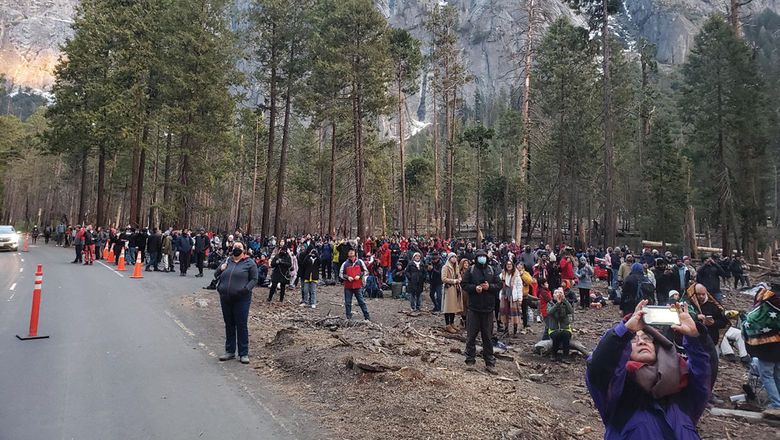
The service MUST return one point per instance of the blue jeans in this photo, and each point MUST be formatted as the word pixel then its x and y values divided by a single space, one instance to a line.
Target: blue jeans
pixel 436 297
pixel 236 315
pixel 614 279
pixel 415 299
pixel 131 254
pixel 770 377
pixel 151 260
pixel 718 296
pixel 309 292
pixel 358 293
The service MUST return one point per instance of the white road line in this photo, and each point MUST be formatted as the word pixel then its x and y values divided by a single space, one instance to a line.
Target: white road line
pixel 21 269
pixel 111 269
pixel 12 296
pixel 180 324
pixel 22 260
pixel 13 286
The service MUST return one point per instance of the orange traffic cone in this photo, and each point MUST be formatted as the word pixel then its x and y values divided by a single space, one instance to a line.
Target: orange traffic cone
pixel 110 255
pixel 36 305
pixel 137 270
pixel 105 251
pixel 121 265
pixel 26 241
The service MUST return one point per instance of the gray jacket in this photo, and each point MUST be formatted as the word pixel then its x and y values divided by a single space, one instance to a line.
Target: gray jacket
pixel 237 280
pixel 584 275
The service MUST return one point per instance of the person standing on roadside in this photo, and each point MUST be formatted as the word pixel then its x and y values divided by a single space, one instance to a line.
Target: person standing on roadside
pixel 89 246
pixel 237 277
pixel 352 272
pixel 482 285
pixel 184 246
pixel 153 245
pixel 78 242
pixel 202 242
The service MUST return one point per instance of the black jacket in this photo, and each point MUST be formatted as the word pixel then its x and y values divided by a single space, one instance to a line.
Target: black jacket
pixel 710 309
pixel 237 280
pixel 709 275
pixel 415 277
pixel 153 243
pixel 201 243
pixel 309 268
pixel 486 300
pixel 281 265
pixel 630 294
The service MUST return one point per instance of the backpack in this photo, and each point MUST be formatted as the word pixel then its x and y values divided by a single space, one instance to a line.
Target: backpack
pixel 646 291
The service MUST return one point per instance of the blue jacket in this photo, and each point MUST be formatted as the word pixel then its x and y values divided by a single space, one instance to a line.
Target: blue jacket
pixel 629 412
pixel 237 280
pixel 184 243
pixel 326 253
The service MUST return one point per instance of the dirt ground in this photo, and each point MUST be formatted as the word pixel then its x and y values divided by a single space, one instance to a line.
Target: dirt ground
pixel 402 377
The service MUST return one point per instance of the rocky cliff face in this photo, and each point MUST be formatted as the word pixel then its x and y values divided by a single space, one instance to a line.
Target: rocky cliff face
pixel 491 31
pixel 31 32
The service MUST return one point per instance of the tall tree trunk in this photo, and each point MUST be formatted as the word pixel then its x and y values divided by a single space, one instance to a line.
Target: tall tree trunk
pixel 154 220
pixel 451 159
pixel 134 208
pixel 266 225
pixel 285 141
pixel 479 191
pixel 332 206
pixel 357 126
pixel 140 176
pixel 609 214
pixel 435 168
pixel 101 186
pixel 167 180
pixel 240 181
pixel 526 114
pixel 82 192
pixel 184 180
pixel 401 145
pixel 254 178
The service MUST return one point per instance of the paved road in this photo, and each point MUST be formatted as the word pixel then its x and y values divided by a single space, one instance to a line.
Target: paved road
pixel 119 364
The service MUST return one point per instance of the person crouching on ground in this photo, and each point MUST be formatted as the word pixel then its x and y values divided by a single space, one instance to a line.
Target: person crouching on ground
pixel 237 277
pixel 559 326
pixel 482 285
pixel 641 386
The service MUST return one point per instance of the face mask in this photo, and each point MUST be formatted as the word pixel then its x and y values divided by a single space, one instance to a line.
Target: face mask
pixel 237 252
pixel 481 260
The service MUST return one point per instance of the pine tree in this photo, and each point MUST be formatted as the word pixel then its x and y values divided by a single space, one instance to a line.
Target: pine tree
pixel 723 107
pixel 407 62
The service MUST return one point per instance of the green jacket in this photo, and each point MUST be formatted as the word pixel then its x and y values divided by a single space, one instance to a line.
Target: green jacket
pixel 558 315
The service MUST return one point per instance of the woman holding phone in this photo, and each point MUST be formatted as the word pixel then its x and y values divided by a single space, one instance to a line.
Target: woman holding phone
pixel 641 386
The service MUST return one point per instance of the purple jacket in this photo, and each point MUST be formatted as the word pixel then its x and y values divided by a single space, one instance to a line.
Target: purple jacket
pixel 628 411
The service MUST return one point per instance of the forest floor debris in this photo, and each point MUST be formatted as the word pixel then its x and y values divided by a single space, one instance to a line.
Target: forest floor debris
pixel 402 375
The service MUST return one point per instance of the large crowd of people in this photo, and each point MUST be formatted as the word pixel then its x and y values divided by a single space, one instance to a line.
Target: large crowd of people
pixel 493 287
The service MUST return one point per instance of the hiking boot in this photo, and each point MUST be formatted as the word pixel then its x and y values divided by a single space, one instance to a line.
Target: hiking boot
pixel 200 275
pixel 303 304
pixel 491 369
pixel 450 329
pixel 730 357
pixel 747 360
pixel 227 357
pixel 771 413
pixel 244 359
pixel 471 366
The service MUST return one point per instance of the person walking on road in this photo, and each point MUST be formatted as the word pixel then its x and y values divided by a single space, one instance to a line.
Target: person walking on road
pixel 237 277
pixel 352 272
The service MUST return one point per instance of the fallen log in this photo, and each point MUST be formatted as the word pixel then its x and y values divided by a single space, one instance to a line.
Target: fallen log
pixel 750 416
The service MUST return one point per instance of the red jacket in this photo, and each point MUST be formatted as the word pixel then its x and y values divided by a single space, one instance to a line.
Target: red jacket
pixel 567 269
pixel 385 256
